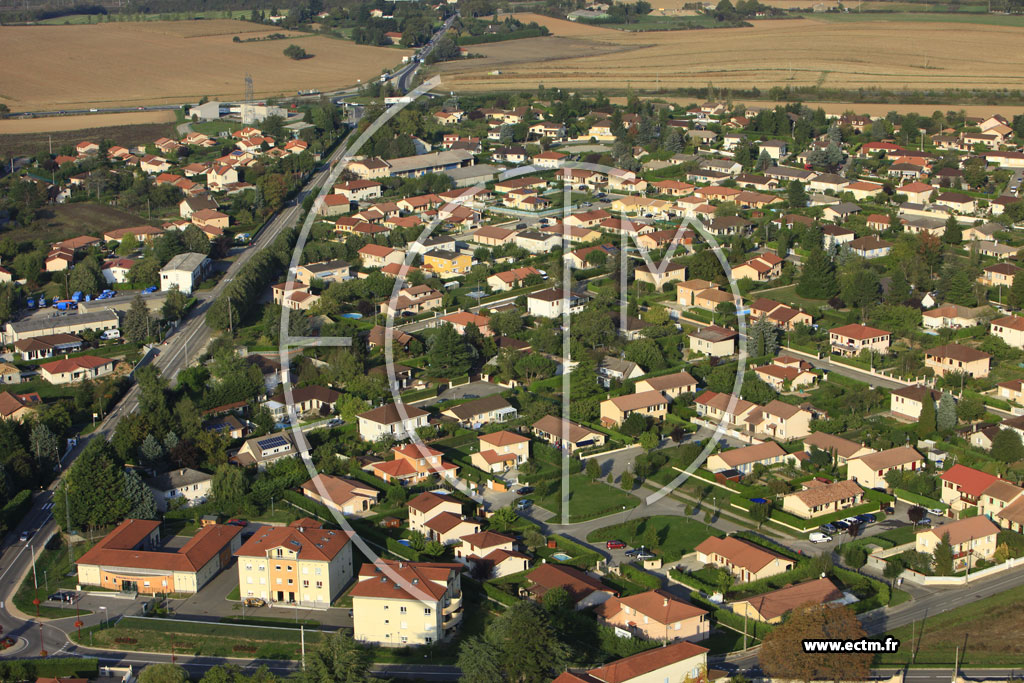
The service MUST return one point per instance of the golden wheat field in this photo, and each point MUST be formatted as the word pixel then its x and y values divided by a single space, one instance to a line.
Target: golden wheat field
pixel 803 52
pixel 97 65
pixel 46 124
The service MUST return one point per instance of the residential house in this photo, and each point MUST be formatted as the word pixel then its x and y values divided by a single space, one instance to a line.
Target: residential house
pixel 841 449
pixel 714 341
pixel 772 607
pixel 511 279
pixel 957 201
pixel 963 486
pixel 264 450
pixel 672 386
pixel 869 470
pixel 781 315
pixel 391 420
pixel 656 615
pixel 779 420
pixel 744 560
pixel 957 358
pixel 553 303
pixel 399 603
pixel 744 459
pixel 566 435
pixel 446 264
pixel 996 498
pixel 651 404
pixel 481 411
pixel 869 247
pixel 428 505
pixel 185 484
pixel 818 498
pixel 46 346
pixel 76 369
pixel 324 271
pixel 611 369
pixel 584 590
pixel 713 407
pixel 463 319
pixel 342 494
pixel 953 316
pixel 972 539
pixel 682 661
pixel 786 373
pixel 494 554
pixel 412 464
pixel 17 407
pixel 909 401
pixel 501 451
pixel 761 268
pixel 999 275
pixel 851 340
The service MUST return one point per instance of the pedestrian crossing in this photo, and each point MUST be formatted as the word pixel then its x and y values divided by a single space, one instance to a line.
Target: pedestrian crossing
pixel 47 506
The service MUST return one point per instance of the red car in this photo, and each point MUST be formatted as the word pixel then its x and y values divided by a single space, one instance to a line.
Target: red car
pixel 238 522
pixel 614 545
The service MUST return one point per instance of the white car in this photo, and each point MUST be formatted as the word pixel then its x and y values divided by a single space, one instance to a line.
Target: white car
pixel 937 512
pixel 852 520
pixel 818 537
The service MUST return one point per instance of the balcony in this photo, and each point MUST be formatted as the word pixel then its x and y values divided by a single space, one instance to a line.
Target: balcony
pixel 452 620
pixel 452 605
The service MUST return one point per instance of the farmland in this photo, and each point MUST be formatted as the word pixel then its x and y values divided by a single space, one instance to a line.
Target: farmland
pixel 102 65
pixel 52 124
pixel 806 52
pixel 129 132
pixel 61 221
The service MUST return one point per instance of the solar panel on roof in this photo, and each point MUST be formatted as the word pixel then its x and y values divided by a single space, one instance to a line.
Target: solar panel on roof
pixel 272 442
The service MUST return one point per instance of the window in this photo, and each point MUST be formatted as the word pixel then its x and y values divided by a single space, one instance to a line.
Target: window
pixel 427 611
pixel 305 584
pixel 405 639
pixel 305 570
pixel 319 584
pixel 289 567
pixel 279 582
pixel 280 553
pixel 402 609
pixel 428 640
pixel 317 571
pixel 277 567
pixel 248 580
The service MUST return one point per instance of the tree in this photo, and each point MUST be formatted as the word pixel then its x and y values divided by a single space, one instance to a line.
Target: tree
pixel 593 469
pixel 926 423
pixel 229 487
pixel 293 51
pixel 94 485
pixel 952 234
pixel 151 451
pixel 141 504
pixel 782 654
pixel 761 512
pixel 448 353
pixel 627 480
pixel 195 240
pixel 127 246
pixel 44 444
pixel 818 278
pixel 1015 295
pixel 174 305
pixel 764 160
pixel 945 418
pixel 916 514
pixel 943 556
pixel 338 659
pixel 520 645
pixel 86 278
pixel 503 518
pixel 137 323
pixel 1007 446
pixel 163 673
pixel 796 196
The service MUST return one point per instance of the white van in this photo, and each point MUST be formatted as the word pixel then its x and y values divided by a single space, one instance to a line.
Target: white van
pixel 111 334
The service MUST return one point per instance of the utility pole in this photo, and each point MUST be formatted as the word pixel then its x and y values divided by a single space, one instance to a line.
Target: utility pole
pixel 302 640
pixel 67 511
pixel 35 580
pixel 744 628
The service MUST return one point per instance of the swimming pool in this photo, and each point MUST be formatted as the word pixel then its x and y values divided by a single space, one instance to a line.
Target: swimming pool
pixel 561 557
pixel 352 316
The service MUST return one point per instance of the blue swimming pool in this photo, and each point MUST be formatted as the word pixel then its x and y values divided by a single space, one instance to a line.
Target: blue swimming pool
pixel 352 316
pixel 404 541
pixel 561 557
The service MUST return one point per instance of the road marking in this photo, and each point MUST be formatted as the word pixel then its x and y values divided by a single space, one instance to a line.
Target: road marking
pixel 48 506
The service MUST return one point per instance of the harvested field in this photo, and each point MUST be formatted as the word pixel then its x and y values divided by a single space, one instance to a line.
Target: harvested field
pixel 808 52
pixel 61 221
pixel 47 124
pixel 126 135
pixel 172 62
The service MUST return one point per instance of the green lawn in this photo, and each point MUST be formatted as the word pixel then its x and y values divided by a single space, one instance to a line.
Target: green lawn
pixel 987 633
pixel 53 572
pixel 676 535
pixel 787 295
pixel 588 499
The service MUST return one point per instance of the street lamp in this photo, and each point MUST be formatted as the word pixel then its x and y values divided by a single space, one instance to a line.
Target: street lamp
pixel 104 609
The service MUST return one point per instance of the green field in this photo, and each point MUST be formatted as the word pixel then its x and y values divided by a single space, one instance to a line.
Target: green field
pixel 676 535
pixel 987 633
pixel 588 499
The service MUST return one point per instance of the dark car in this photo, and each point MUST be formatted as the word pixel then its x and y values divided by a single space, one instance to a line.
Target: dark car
pixel 640 553
pixel 828 528
pixel 841 525
pixel 523 490
pixel 614 545
pixel 523 504
pixel 867 518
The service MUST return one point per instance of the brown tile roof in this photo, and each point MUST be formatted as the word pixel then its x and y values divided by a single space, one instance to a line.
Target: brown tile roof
pixel 659 605
pixel 445 522
pixel 892 457
pixel 503 438
pixel 644 399
pixel 739 553
pixel 309 543
pixel 829 493
pixel 487 539
pixel 777 603
pixel 388 414
pixel 77 363
pixel 339 490
pixel 857 331
pixel 555 425
pixel 917 393
pixel 676 380
pixel 749 454
pixel 577 583
pixel 1014 512
pixel 964 530
pixel 1002 490
pixel 427 501
pixel 116 549
pixel 958 352
pixel 415 578
pixel 844 448
pixel 635 666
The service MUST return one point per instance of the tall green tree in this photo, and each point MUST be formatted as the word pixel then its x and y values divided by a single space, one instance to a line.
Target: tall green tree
pixel 138 324
pixel 519 646
pixel 818 278
pixel 141 504
pixel 1007 446
pixel 926 422
pixel 95 487
pixel 796 195
pixel 952 234
pixel 338 659
pixel 945 417
pixel 448 354
pixel 174 305
pixel 942 556
pixel 163 673
pixel 44 444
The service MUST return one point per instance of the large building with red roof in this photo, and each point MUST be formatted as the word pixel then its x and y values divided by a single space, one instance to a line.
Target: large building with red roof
pixel 130 559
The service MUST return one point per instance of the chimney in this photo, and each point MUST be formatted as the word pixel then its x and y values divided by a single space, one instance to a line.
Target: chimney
pixel 664 602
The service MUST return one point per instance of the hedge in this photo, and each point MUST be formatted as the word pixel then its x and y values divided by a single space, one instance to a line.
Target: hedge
pixel 639 576
pixel 499 595
pixel 691 581
pixel 582 556
pixel 917 499
pixel 15 509
pixel 51 667
pixel 500 37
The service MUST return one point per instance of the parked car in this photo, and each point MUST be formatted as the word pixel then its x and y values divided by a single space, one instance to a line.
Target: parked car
pixel 25 535
pixel 937 512
pixel 828 529
pixel 255 602
pixel 852 520
pixel 614 545
pixel 524 504
pixel 523 490
pixel 238 522
pixel 149 290
pixel 890 510
pixel 818 537
pixel 640 553
pixel 840 525
pixel 867 518
pixel 927 521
